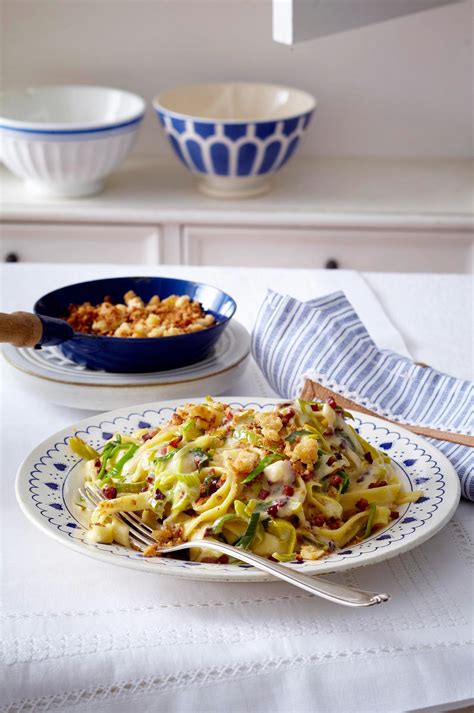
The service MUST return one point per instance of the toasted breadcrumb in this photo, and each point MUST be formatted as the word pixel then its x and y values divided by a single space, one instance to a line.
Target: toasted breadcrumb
pixel 169 317
pixel 311 552
pixel 306 451
pixel 270 424
pixel 243 462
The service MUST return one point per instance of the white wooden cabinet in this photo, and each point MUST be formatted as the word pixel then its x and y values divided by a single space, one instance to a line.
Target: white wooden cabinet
pixel 53 242
pixel 365 250
pixel 360 214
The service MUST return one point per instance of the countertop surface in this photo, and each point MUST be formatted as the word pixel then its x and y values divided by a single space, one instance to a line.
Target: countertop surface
pixel 324 192
pixel 81 636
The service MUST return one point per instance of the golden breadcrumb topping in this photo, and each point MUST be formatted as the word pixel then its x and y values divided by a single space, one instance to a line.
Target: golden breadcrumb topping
pixel 134 318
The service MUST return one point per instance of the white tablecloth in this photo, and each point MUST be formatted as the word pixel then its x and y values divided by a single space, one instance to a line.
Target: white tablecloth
pixel 79 635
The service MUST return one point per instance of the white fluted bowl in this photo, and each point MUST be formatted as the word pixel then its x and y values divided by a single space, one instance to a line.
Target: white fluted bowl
pixel 64 140
pixel 234 135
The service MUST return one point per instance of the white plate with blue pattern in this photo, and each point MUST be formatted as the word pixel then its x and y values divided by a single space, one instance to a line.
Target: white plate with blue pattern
pixel 56 378
pixel 48 480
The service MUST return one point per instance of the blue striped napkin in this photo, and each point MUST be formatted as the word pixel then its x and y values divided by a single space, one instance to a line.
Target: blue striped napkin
pixel 324 340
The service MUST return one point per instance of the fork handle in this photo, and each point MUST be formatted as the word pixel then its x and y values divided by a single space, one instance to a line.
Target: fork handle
pixel 337 593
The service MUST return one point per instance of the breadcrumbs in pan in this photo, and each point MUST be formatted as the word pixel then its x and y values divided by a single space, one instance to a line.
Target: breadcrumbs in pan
pixel 134 318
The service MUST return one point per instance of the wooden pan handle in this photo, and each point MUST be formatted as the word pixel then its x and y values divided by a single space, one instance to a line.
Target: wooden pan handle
pixel 22 329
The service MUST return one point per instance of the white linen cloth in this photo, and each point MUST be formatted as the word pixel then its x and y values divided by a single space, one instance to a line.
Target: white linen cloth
pixel 79 635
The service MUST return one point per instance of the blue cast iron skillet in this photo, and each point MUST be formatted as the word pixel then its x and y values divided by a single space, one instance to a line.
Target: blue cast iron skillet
pixel 130 355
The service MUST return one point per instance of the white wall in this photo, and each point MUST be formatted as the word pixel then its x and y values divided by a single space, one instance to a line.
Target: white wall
pixel 399 88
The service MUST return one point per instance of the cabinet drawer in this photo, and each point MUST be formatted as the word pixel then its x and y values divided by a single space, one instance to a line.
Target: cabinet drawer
pixel 80 243
pixel 364 250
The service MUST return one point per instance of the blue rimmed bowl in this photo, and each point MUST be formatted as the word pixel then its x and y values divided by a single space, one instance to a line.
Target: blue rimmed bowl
pixel 234 135
pixel 130 355
pixel 64 140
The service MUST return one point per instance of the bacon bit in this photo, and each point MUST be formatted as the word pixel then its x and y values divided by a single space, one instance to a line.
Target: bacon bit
pixel 263 494
pixel 176 441
pixel 335 480
pixel 298 558
pixel 208 531
pixel 210 487
pixel 318 520
pixel 331 402
pixel 329 431
pixel 176 419
pixel 362 504
pixel 332 460
pixel 314 407
pixel 288 490
pixel 150 478
pixel 273 510
pixel 109 492
pixel 97 463
pixel 368 457
pixel 333 523
pixel 228 416
pixel 159 495
pixel 286 417
pixel 394 514
pixel 378 484
pixel 144 489
pixel 223 559
pixel 150 434
pixel 307 476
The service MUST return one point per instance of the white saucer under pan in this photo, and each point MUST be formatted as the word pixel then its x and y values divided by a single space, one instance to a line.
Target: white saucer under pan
pixel 51 375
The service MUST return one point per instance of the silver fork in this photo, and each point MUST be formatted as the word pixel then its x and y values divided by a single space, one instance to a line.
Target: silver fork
pixel 141 537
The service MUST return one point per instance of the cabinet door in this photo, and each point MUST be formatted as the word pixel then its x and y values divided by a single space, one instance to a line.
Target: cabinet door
pixel 363 250
pixel 28 242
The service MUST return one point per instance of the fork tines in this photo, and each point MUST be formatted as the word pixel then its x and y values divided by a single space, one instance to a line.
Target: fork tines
pixel 140 534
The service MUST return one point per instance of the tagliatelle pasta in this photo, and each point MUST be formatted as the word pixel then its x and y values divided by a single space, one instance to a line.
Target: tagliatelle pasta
pixel 293 483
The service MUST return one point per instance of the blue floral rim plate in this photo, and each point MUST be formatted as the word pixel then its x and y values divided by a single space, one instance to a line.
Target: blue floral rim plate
pixel 48 479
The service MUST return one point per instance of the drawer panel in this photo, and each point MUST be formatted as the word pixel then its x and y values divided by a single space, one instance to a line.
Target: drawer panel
pixel 120 244
pixel 363 250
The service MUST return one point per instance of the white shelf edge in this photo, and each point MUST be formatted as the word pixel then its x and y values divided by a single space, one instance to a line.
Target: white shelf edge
pixel 318 193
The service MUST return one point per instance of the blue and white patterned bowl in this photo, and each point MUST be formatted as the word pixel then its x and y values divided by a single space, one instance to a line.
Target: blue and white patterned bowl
pixel 63 140
pixel 235 135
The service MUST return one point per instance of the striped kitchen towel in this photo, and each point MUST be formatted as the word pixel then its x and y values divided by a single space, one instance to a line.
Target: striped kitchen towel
pixel 325 341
